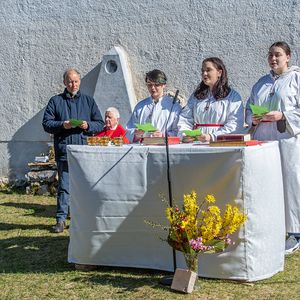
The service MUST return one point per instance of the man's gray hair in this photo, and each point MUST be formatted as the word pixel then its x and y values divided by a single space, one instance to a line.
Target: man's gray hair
pixel 68 71
pixel 115 112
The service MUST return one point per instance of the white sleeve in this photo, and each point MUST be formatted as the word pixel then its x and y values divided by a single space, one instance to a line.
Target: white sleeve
pixel 249 112
pixel 173 129
pixel 186 118
pixel 130 127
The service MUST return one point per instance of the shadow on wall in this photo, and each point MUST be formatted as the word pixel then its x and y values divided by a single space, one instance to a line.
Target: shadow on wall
pixel 30 140
pixel 88 82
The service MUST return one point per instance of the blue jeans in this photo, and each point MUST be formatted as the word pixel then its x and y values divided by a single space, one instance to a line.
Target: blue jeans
pixel 63 191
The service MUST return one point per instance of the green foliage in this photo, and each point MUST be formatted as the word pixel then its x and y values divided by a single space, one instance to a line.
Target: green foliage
pixel 34 188
pixel 174 242
pixel 219 246
pixel 5 189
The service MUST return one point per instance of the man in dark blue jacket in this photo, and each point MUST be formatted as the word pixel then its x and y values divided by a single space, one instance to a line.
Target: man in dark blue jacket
pixel 71 104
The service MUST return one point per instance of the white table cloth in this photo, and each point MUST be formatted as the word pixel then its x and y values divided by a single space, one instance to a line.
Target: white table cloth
pixel 113 189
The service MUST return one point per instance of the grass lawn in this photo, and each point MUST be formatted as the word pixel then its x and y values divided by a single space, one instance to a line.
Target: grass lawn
pixel 33 265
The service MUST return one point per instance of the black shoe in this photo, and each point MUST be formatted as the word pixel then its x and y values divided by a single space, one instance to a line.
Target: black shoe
pixel 59 227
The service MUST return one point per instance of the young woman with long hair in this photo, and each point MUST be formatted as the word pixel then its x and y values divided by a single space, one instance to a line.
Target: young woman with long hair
pixel 214 108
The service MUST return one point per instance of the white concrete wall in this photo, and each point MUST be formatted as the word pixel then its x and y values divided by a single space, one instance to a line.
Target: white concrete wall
pixel 40 38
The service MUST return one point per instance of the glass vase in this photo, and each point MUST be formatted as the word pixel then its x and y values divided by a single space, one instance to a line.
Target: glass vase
pixel 191 260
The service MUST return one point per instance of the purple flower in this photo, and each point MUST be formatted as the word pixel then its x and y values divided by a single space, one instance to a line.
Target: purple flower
pixel 197 245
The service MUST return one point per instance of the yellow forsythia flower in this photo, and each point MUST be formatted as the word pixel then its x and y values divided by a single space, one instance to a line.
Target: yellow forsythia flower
pixel 191 222
pixel 210 198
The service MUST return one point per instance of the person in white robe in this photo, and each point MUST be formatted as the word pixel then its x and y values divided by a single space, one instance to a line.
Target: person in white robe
pixel 279 92
pixel 214 108
pixel 154 110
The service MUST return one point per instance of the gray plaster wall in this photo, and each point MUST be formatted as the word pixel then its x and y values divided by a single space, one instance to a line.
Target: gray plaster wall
pixel 40 38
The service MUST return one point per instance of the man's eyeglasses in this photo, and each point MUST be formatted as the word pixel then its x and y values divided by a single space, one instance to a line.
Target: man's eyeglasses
pixel 153 84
